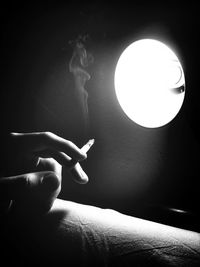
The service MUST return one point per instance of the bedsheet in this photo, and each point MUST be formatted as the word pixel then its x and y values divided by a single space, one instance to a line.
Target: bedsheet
pixel 73 234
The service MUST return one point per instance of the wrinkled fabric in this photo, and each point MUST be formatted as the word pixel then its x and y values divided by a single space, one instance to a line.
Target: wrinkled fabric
pixel 73 234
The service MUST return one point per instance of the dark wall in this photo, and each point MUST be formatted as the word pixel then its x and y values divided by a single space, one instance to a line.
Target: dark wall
pixel 129 165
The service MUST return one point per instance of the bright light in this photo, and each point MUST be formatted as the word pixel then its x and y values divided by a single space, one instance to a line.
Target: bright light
pixel 149 83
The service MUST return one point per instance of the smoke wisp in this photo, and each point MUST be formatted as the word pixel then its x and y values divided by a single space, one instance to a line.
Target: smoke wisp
pixel 79 61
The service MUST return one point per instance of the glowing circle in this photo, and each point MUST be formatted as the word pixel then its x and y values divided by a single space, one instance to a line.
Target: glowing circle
pixel 149 83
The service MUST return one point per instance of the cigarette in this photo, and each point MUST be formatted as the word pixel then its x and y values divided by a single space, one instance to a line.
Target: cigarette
pixel 84 149
pixel 87 146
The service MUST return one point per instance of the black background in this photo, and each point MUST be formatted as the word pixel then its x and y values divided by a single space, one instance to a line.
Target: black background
pixel 131 168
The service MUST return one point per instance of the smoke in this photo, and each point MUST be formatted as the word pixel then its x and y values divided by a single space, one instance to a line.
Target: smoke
pixel 79 61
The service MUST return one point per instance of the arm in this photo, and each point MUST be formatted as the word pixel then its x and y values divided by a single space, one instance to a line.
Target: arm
pixel 81 235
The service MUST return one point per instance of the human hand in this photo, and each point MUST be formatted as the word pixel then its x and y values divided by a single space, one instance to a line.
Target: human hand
pixel 45 153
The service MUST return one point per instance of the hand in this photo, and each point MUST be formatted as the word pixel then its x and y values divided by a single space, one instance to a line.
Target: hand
pixel 45 153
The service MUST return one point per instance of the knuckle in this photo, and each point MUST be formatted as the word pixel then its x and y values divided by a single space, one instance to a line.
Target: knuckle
pixel 48 136
pixel 71 145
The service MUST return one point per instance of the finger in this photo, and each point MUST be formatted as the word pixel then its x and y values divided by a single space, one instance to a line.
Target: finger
pixel 31 193
pixel 17 187
pixel 46 140
pixel 60 157
pixel 49 164
pixel 79 175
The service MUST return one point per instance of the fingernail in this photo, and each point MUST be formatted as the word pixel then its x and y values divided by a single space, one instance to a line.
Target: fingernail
pixel 84 178
pixel 79 175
